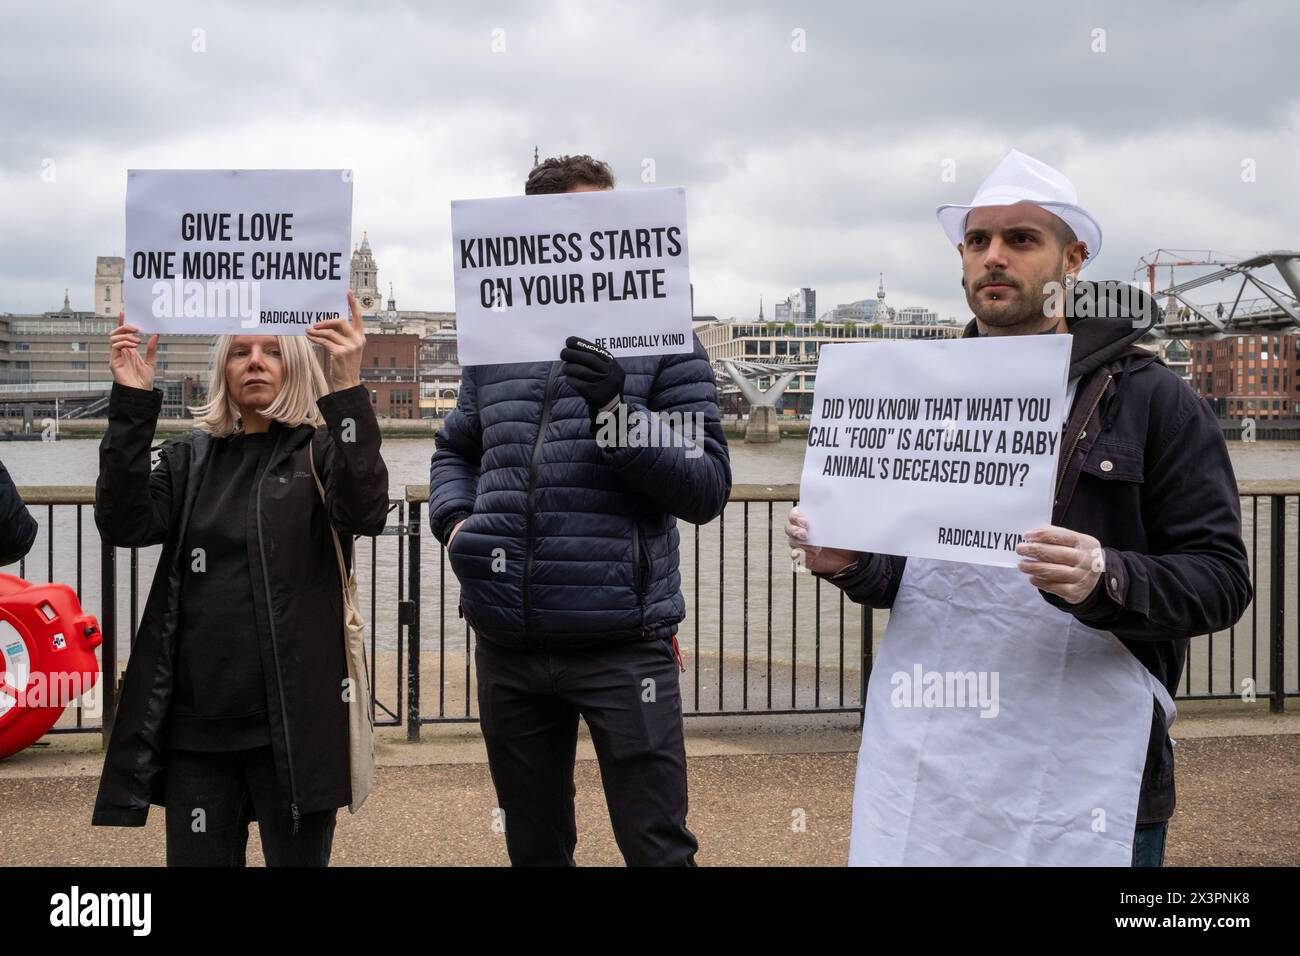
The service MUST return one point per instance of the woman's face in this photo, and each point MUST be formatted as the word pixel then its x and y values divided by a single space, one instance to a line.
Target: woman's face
pixel 254 370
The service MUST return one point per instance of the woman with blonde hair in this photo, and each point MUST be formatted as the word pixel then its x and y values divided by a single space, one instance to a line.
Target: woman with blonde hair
pixel 234 706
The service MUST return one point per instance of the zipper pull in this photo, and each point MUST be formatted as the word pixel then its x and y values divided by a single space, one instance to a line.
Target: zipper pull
pixel 293 808
pixel 677 653
pixel 460 610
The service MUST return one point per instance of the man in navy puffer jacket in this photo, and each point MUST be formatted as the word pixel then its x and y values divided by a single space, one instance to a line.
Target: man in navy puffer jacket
pixel 566 549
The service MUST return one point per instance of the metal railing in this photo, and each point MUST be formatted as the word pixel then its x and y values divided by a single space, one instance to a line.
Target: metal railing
pixel 760 638
pixel 15 392
pixel 118 607
pixel 825 651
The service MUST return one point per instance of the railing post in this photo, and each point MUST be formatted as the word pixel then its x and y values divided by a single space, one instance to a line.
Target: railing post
pixel 1276 604
pixel 864 668
pixel 413 624
pixel 108 633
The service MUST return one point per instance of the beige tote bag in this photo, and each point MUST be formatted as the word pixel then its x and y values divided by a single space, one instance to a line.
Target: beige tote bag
pixel 361 728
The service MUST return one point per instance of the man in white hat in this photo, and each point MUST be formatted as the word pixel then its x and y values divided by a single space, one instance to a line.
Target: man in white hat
pixel 1091 630
pixel 1046 237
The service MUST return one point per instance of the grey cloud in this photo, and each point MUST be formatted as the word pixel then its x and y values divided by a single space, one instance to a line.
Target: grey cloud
pixel 818 168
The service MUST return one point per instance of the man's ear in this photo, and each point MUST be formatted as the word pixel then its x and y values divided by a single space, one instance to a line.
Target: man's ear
pixel 1075 253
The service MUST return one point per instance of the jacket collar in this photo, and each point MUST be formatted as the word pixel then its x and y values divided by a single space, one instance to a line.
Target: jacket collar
pixel 1098 340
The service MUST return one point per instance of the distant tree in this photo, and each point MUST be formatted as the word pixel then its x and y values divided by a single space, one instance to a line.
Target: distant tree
pixel 788 328
pixel 819 327
pixel 771 328
pixel 878 327
pixel 849 328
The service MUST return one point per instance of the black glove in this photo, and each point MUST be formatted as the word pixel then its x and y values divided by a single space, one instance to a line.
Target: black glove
pixel 593 373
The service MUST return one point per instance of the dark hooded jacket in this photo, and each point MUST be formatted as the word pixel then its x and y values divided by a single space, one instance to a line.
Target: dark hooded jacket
pixel 1144 469
pixel 567 543
pixel 299 608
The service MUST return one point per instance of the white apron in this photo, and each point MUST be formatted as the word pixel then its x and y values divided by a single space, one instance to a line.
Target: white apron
pixel 1049 778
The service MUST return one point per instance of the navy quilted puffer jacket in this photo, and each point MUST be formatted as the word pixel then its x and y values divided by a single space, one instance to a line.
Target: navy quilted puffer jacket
pixel 566 542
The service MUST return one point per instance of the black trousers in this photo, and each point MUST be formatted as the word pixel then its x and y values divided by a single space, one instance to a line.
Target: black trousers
pixel 211 799
pixel 529 703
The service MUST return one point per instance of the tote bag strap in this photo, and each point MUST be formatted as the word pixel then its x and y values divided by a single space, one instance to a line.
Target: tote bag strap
pixel 338 547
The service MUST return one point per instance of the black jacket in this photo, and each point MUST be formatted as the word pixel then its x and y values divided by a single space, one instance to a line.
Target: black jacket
pixel 17 526
pixel 299 608
pixel 1144 469
pixel 588 533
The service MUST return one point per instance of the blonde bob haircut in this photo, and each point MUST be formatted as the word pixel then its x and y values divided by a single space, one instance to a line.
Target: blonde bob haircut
pixel 304 383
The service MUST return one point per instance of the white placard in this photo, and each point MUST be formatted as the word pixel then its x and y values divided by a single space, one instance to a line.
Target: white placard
pixel 608 266
pixel 231 251
pixel 941 449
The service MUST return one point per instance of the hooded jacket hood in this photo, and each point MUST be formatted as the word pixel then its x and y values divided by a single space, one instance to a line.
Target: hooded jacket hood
pixel 1097 340
pixel 1100 339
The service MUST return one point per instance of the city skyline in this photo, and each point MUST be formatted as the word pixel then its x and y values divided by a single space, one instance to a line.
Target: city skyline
pixel 385 293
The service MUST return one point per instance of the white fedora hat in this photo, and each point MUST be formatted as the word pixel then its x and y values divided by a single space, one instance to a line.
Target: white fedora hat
pixel 1020 178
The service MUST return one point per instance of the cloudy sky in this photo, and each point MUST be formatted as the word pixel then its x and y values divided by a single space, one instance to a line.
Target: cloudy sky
pixel 1179 123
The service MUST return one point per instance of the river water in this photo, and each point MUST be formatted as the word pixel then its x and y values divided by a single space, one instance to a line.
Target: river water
pixel 747 606
pixel 76 461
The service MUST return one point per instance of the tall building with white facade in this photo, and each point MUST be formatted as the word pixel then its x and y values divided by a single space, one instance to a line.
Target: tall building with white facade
pixel 917 315
pixel 108 285
pixel 365 278
pixel 803 305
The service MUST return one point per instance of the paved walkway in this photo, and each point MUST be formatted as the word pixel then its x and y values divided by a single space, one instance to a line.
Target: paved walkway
pixel 1238 780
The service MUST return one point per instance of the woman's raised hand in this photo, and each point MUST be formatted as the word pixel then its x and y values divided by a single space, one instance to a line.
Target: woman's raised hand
pixel 343 340
pixel 124 359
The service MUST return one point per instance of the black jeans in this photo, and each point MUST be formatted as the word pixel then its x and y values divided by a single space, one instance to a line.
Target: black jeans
pixel 1149 844
pixel 529 703
pixel 212 797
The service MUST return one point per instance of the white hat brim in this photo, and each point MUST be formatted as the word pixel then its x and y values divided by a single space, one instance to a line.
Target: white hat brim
pixel 952 218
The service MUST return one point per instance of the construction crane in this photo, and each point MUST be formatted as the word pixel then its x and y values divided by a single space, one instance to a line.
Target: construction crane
pixel 1175 258
pixel 1172 259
